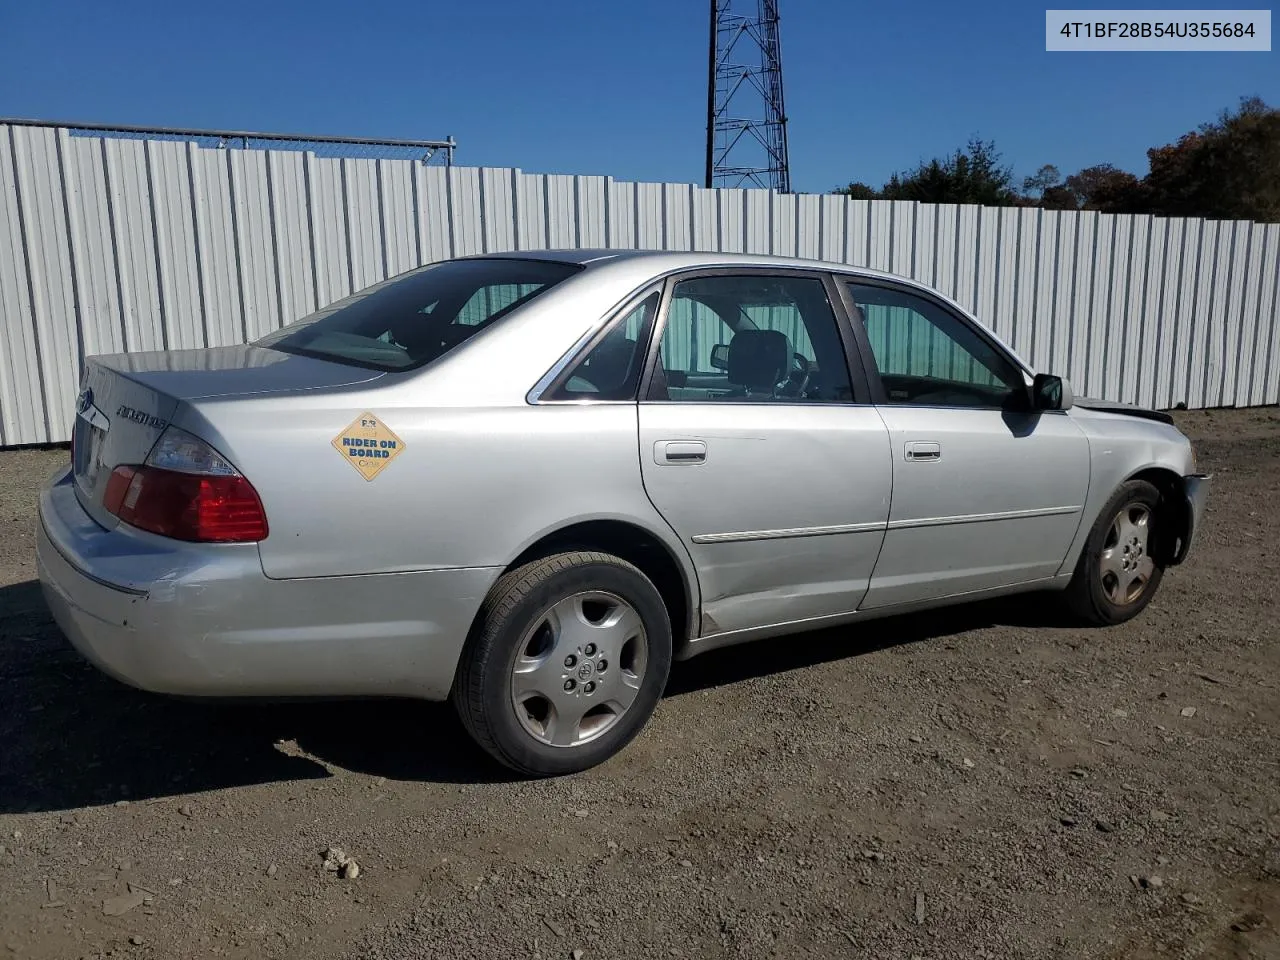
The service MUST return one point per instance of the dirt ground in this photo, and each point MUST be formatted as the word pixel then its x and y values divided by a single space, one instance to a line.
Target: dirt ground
pixel 983 782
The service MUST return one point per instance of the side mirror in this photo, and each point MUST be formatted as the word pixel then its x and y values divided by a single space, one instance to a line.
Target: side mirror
pixel 720 356
pixel 1050 393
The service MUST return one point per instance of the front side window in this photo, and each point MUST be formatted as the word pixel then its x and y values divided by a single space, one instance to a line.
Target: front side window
pixel 762 337
pixel 927 356
pixel 418 317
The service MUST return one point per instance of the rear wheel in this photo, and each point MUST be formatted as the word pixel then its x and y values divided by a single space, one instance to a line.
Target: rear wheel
pixel 1120 568
pixel 566 664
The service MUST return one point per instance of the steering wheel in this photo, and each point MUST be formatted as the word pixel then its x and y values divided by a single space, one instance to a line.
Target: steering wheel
pixel 797 381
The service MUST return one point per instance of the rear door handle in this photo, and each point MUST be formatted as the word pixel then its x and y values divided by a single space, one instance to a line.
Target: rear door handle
pixel 677 452
pixel 924 450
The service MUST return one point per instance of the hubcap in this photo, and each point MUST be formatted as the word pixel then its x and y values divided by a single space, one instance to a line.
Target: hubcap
pixel 1125 564
pixel 579 668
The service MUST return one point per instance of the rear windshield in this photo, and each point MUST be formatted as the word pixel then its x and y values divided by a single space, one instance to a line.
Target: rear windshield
pixel 419 316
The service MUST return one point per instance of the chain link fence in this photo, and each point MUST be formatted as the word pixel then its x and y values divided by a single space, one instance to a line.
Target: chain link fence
pixel 424 151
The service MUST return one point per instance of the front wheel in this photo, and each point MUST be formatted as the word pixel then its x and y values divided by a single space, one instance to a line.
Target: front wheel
pixel 1119 569
pixel 567 662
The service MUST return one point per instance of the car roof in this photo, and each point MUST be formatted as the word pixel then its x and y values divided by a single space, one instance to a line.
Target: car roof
pixel 663 260
pixel 642 265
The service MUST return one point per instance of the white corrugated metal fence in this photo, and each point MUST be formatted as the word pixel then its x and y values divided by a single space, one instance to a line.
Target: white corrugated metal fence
pixel 111 244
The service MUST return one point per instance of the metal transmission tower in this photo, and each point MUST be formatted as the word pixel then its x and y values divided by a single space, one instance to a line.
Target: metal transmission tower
pixel 746 122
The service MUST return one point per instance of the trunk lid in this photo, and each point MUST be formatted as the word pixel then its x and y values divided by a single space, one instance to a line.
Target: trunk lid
pixel 231 372
pixel 127 400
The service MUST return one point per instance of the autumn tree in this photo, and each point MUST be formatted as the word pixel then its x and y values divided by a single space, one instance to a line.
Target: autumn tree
pixel 1228 169
pixel 1107 189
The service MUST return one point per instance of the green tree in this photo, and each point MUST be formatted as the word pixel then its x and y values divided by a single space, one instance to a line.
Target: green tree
pixel 974 174
pixel 859 191
pixel 1042 181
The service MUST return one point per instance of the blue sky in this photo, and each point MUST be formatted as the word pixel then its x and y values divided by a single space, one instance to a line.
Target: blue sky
pixel 571 86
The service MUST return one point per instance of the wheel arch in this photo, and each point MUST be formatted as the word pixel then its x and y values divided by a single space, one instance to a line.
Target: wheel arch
pixel 1175 510
pixel 641 547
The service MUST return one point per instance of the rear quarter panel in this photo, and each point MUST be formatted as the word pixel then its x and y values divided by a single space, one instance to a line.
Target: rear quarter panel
pixel 471 487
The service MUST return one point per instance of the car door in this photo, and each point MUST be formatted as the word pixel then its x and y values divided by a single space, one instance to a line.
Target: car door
pixel 986 492
pixel 759 449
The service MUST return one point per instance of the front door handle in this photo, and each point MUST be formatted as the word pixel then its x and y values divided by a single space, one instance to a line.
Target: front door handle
pixel 676 452
pixel 924 450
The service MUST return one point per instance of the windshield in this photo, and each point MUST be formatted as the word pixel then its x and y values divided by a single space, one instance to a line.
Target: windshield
pixel 418 317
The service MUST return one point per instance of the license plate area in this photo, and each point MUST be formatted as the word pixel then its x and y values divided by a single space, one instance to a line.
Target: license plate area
pixel 91 434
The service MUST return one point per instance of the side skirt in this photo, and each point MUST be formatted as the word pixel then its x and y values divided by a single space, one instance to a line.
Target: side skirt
pixel 730 638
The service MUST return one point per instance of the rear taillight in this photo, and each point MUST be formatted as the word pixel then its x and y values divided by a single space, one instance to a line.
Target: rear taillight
pixel 186 490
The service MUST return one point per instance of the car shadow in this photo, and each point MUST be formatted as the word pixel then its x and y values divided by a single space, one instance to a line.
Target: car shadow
pixel 734 664
pixel 73 737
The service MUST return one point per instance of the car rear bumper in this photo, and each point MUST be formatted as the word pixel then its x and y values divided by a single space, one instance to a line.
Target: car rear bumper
pixel 203 620
pixel 1196 494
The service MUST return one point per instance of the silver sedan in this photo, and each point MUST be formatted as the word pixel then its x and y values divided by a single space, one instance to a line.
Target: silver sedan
pixel 527 482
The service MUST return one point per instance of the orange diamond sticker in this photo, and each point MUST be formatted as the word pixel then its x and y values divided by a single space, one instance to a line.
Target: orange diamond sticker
pixel 368 445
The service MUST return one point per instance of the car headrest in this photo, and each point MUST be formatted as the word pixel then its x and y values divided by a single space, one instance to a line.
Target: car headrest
pixel 759 359
pixel 609 364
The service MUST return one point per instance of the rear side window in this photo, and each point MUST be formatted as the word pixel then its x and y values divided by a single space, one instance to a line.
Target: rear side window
pixel 418 317
pixel 753 337
pixel 610 370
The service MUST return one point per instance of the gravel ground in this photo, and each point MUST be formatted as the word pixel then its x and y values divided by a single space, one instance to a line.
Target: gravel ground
pixel 982 782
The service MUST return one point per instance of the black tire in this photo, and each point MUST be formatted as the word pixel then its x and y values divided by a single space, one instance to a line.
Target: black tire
pixel 482 689
pixel 1087 594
